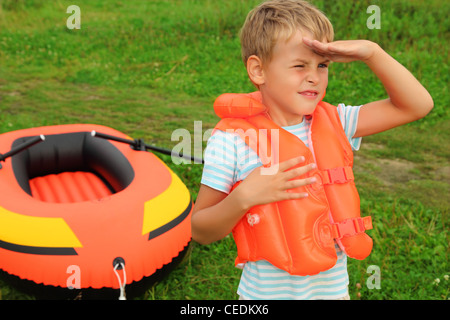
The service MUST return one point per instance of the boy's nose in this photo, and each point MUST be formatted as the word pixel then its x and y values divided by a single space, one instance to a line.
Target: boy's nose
pixel 312 77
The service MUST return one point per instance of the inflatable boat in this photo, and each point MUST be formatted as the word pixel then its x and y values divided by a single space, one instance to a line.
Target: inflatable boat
pixel 81 212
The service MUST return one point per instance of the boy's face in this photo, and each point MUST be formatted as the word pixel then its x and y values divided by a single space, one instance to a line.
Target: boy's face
pixel 295 80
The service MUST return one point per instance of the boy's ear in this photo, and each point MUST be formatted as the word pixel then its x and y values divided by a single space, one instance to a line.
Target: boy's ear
pixel 255 70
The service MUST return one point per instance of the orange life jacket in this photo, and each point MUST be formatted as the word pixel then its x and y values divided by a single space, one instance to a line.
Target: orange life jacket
pixel 298 235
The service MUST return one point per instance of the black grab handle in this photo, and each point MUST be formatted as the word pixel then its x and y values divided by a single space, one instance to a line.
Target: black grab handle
pixel 140 145
pixel 25 145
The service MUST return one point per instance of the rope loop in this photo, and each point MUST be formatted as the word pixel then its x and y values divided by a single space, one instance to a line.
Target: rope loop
pixel 121 266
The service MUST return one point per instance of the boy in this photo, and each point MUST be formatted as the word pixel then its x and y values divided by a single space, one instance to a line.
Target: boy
pixel 287 46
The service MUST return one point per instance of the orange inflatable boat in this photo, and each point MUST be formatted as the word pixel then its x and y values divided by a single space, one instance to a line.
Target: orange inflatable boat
pixel 79 212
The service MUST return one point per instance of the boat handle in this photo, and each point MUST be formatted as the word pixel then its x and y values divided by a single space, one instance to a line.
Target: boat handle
pixel 21 147
pixel 140 145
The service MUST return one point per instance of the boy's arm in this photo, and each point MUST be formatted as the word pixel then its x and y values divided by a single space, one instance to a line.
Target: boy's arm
pixel 215 214
pixel 408 99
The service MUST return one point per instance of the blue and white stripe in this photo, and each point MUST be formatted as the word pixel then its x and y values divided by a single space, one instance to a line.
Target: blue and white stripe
pixel 228 160
pixel 261 280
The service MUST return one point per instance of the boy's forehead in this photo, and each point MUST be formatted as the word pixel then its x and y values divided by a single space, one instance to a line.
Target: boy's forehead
pixel 293 46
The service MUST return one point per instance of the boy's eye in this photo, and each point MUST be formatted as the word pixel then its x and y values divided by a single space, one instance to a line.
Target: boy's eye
pixel 322 65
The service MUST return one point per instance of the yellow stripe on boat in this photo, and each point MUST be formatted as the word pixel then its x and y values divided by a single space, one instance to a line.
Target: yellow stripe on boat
pixel 166 206
pixel 36 231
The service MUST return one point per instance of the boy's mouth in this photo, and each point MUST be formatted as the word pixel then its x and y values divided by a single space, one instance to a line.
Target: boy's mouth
pixel 310 94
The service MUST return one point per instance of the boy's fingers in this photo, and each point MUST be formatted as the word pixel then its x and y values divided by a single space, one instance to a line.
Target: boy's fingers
pixel 297 172
pixel 294 195
pixel 300 183
pixel 315 44
pixel 283 166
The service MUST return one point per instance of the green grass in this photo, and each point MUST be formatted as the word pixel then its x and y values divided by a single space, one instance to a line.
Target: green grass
pixel 150 67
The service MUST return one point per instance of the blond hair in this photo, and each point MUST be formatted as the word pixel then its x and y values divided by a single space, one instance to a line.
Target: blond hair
pixel 276 19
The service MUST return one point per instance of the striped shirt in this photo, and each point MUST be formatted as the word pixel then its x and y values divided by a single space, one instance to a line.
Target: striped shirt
pixel 229 160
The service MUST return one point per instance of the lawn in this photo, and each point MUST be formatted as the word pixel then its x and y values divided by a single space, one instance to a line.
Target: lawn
pixel 149 67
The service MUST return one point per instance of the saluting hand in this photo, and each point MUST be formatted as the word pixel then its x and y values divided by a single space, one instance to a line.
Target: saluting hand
pixel 343 51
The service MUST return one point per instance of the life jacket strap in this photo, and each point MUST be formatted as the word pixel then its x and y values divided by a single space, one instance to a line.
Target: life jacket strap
pixel 337 175
pixel 352 226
